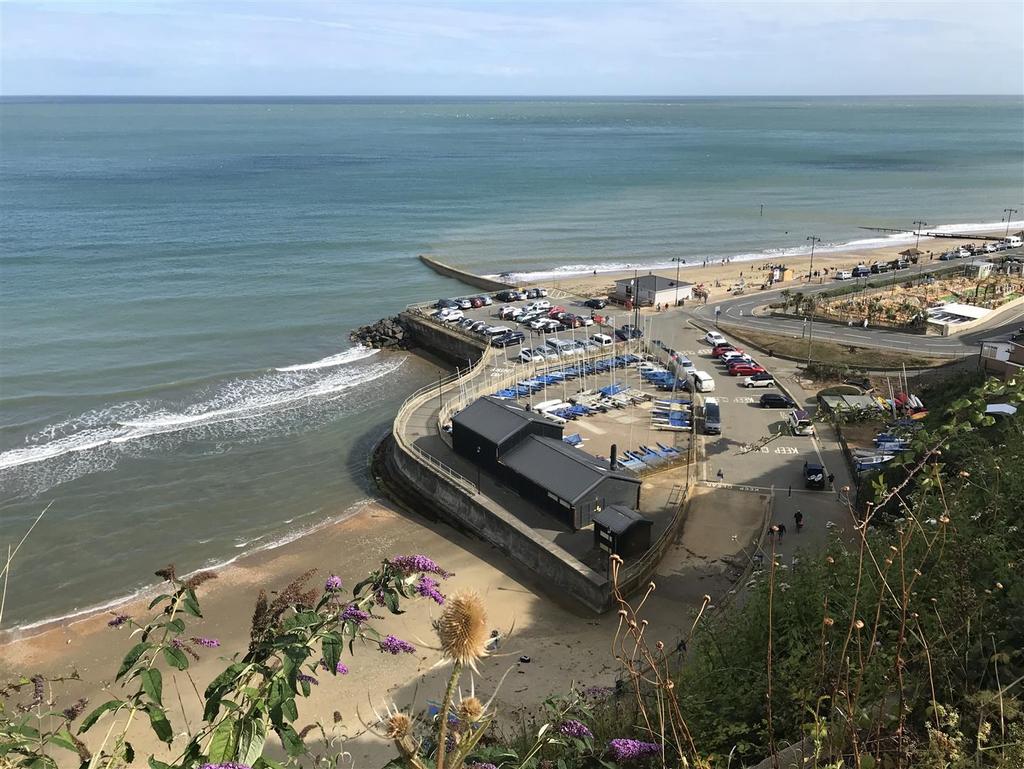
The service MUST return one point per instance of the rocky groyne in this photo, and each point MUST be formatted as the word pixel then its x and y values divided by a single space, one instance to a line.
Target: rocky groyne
pixel 386 333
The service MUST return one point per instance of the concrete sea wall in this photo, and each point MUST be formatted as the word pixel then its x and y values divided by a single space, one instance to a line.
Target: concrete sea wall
pixel 477 281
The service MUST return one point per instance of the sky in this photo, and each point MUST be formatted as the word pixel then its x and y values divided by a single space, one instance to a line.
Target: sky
pixel 482 47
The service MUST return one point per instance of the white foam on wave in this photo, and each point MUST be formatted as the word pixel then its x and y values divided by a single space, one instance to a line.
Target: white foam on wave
pixel 234 401
pixel 349 356
pixel 880 241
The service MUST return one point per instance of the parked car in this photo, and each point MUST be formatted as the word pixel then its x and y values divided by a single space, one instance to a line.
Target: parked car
pixel 861 271
pixel 596 304
pixel 531 356
pixel 631 332
pixel 508 312
pixel 879 267
pixel 541 304
pixel 712 417
pixel 553 311
pixel 722 349
pixel 485 300
pixel 532 293
pixel 453 316
pixel 776 401
pixel 949 256
pixel 444 312
pixel 814 475
pixel 714 338
pixel 464 303
pixel 550 326
pixel 800 422
pixel 745 369
pixel 476 302
pixel 507 295
pixel 571 321
pixel 538 323
pixel 509 339
pixel 466 323
pixel 729 355
pixel 899 264
pixel 602 340
pixel 761 379
pixel 478 326
pixel 440 304
pixel 843 275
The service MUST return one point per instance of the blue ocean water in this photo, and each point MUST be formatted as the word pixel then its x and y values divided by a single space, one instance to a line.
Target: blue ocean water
pixel 179 277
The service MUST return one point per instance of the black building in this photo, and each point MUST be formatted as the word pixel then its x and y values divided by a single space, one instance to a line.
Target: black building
pixel 488 427
pixel 621 531
pixel 567 482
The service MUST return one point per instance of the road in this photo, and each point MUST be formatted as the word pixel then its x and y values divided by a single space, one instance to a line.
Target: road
pixel 740 311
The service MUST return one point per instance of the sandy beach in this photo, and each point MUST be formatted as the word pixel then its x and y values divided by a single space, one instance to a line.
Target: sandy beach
pixel 564 645
pixel 753 272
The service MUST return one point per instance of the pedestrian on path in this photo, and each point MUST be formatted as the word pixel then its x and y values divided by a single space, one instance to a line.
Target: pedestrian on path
pixel 782 530
pixel 798 517
pixel 721 475
pixel 773 531
pixel 831 478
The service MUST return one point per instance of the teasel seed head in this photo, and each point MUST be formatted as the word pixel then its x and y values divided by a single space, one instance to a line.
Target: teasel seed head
pixel 471 710
pixel 398 726
pixel 462 628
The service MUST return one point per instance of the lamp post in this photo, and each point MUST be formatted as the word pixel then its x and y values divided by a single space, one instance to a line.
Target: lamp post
pixel 917 243
pixel 678 261
pixel 1009 215
pixel 810 270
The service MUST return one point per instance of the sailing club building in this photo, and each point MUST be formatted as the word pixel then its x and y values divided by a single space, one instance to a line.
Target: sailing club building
pixel 527 454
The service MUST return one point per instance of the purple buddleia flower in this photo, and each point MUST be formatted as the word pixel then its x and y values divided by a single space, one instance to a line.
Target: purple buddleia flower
pixel 226 765
pixel 307 679
pixel 333 583
pixel 632 750
pixel 75 710
pixel 209 643
pixel 393 645
pixel 341 668
pixel 354 614
pixel 419 564
pixel 574 728
pixel 118 620
pixel 427 588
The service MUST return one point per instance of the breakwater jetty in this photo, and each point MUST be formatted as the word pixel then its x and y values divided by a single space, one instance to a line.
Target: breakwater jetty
pixel 470 279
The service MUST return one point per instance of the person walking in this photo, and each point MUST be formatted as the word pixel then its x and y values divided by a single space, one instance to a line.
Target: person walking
pixel 782 530
pixel 831 478
pixel 721 475
pixel 798 518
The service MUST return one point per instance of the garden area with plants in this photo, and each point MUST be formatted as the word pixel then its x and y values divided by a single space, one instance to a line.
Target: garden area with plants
pixel 901 646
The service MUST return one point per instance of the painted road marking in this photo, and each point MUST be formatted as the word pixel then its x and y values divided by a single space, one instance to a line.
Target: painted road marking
pixel 744 399
pixel 786 450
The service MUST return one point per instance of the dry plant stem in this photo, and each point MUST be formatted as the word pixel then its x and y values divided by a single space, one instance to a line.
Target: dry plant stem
pixel 6 572
pixel 442 729
pixel 771 597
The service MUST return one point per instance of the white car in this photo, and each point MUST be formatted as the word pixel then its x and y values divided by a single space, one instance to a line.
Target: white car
pixel 543 304
pixel 843 275
pixel 453 317
pixel 713 338
pixel 508 312
pixel 725 357
pixel 531 356
pixel 759 380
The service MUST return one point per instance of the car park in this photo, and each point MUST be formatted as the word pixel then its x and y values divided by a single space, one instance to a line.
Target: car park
pixel 760 379
pixel 596 304
pixel 714 338
pixel 843 275
pixel 776 401
pixel 814 475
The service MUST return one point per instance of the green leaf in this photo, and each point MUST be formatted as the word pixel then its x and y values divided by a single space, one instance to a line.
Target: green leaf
pixel 154 764
pixel 190 605
pixel 252 736
pixel 175 657
pixel 288 707
pixel 153 685
pixel 291 740
pixel 93 717
pixel 161 726
pixel 159 599
pixel 222 745
pixel 176 625
pixel 63 739
pixel 391 600
pixel 331 646
pixel 131 658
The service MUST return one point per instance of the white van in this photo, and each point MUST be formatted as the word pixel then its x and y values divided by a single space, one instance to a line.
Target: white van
pixel 602 340
pixel 494 331
pixel 703 382
pixel 843 275
pixel 800 422
pixel 1013 241
pixel 563 347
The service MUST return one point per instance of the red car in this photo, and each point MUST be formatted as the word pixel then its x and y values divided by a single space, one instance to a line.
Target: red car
pixel 722 349
pixel 745 369
pixel 555 310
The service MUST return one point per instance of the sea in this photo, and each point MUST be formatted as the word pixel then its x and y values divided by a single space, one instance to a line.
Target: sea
pixel 179 278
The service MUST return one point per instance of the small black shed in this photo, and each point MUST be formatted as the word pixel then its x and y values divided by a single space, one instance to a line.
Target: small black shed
pixel 567 482
pixel 621 531
pixel 488 427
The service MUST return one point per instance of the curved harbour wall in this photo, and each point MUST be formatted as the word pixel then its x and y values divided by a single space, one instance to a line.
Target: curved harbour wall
pixel 478 281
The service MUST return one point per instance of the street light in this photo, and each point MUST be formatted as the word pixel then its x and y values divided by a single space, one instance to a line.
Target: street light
pixel 678 261
pixel 919 225
pixel 810 270
pixel 1009 215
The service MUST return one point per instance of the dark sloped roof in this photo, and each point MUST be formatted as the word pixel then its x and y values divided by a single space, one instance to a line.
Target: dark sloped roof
pixel 564 471
pixel 618 519
pixel 493 419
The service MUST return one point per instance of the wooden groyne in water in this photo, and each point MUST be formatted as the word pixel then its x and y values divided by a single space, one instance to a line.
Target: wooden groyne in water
pixel 470 279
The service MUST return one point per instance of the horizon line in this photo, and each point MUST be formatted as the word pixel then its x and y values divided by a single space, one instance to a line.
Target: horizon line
pixel 491 96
